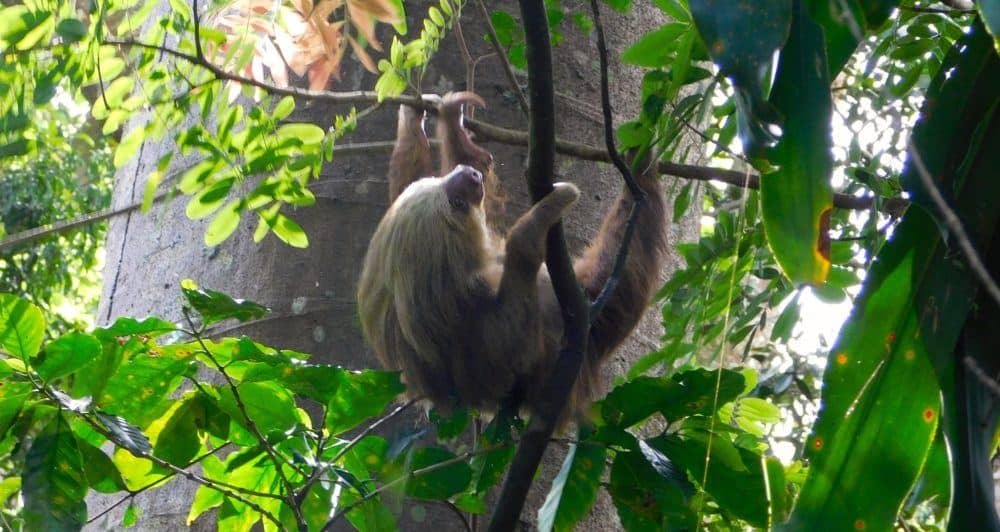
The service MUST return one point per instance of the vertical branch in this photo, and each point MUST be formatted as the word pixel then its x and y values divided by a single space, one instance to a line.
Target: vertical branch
pixel 573 303
pixel 638 196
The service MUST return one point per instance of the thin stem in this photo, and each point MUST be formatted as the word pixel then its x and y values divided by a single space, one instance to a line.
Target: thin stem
pixel 409 476
pixel 955 226
pixel 251 424
pixel 638 196
pixel 508 70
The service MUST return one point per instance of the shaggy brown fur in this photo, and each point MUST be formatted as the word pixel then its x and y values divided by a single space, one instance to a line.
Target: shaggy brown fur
pixel 472 320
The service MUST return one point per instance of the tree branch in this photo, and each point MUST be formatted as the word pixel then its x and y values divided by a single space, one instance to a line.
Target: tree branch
pixel 638 196
pixel 572 301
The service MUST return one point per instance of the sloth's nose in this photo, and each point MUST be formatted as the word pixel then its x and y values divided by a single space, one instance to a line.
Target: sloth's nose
pixel 469 172
pixel 464 186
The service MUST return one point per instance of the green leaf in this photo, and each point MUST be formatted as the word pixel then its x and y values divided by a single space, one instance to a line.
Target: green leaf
pixel 504 25
pixel 210 199
pixel 129 146
pixel 450 425
pixel 67 354
pixel 429 480
pixel 206 498
pixel 131 515
pixel 215 306
pixel 656 48
pixel 742 38
pixel 645 500
pixel 151 327
pixel 797 198
pixel 12 397
pixel 735 475
pixel 53 485
pixel 488 468
pixel 360 395
pixel 574 489
pixel 271 407
pixel 284 108
pixel 289 231
pixel 140 389
pixel 881 394
pixel 225 222
pixel 684 394
pixel 787 320
pixel 102 474
pixel 307 134
pixel 117 91
pixel 179 441
pixel 21 326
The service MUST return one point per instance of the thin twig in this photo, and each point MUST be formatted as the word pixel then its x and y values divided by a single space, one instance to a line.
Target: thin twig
pixel 251 424
pixel 954 225
pixel 371 428
pixel 229 490
pixel 982 376
pixel 463 47
pixel 409 476
pixel 451 506
pixel 153 484
pixel 638 196
pixel 502 55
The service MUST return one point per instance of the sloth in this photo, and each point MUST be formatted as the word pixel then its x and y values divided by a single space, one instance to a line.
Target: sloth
pixel 469 316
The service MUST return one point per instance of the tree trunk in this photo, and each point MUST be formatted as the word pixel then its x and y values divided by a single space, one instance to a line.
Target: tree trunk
pixel 311 291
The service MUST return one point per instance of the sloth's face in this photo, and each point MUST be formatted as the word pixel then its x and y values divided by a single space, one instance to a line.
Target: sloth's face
pixel 464 187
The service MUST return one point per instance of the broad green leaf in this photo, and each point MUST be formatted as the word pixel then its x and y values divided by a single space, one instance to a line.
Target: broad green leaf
pixel 271 407
pixel 289 231
pixel 735 475
pixel 656 48
pixel 179 441
pixel 140 390
pixel 574 489
pixel 117 91
pixel 683 394
pixel 215 306
pixel 53 484
pixel 209 199
pixel 151 327
pixel 21 327
pixel 881 394
pixel 796 199
pixel 12 397
pixel 450 425
pixel 129 146
pixel 101 473
pixel 67 354
pixel 742 38
pixel 360 395
pixel 206 498
pixel 646 500
pixel 430 481
pixel 284 108
pixel 137 472
pixel 225 222
pixel 488 468
pixel 307 134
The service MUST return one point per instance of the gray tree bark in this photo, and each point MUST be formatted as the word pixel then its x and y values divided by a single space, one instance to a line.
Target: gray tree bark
pixel 311 291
